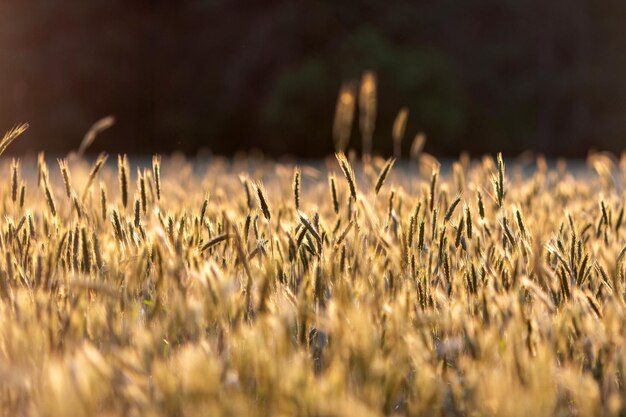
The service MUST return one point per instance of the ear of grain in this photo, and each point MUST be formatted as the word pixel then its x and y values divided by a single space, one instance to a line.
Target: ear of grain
pixel 305 221
pixel 22 195
pixel 42 168
pixel 367 110
pixel 399 126
pixel 459 232
pixel 117 225
pixel 262 200
pixel 498 182
pixel 15 167
pixel 344 115
pixel 417 146
pixel 214 241
pixel 205 205
pixel 96 250
pixel 433 189
pixel 348 172
pixel 49 197
pixel 451 209
pixel 296 187
pixel 86 255
pixel 11 135
pixel 137 213
pixel 66 177
pixel 141 185
pixel 94 171
pixel 246 185
pixel 383 174
pixel 156 172
pixel 76 205
pixel 95 129
pixel 103 202
pixel 122 172
pixel 333 193
pixel 468 222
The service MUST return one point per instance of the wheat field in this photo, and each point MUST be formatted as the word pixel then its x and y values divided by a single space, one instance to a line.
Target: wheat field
pixel 345 288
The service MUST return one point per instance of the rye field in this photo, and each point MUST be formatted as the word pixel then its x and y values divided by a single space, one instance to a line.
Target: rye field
pixel 346 287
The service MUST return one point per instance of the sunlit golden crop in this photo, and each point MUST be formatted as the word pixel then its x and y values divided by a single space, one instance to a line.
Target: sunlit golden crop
pixel 346 287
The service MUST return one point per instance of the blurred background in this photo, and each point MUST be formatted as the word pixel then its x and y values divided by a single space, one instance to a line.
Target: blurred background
pixel 228 75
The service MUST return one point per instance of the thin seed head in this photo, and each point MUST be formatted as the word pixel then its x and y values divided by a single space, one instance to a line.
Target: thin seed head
pixel 468 221
pixel 117 225
pixel 31 226
pixel 137 218
pixel 459 232
pixel 399 126
pixel 307 224
pixel 433 186
pixel 348 172
pixel 95 129
pixel 103 202
pixel 262 200
pixel 333 193
pixel 156 170
pixel 85 250
pixel 481 206
pixel 520 222
pixel 96 250
pixel 498 182
pixel 451 209
pixel 367 110
pixel 384 173
pixel 22 194
pixel 214 241
pixel 417 145
pixel 296 187
pixel 66 177
pixel 11 135
pixel 141 184
pixel 205 205
pixel 49 197
pixel 344 115
pixel 122 167
pixel 94 171
pixel 246 185
pixel 15 167
pixel 76 205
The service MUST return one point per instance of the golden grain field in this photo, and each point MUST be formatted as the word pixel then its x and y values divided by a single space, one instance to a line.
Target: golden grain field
pixel 346 288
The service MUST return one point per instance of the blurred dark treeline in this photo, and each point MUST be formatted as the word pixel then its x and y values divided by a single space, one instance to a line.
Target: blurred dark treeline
pixel 477 75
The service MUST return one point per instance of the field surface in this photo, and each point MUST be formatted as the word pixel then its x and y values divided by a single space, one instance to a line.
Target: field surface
pixel 338 288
